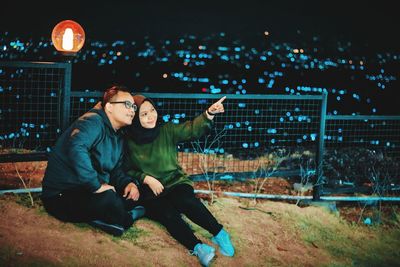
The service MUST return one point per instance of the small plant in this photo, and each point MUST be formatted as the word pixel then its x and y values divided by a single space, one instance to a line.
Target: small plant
pixel 210 164
pixel 267 167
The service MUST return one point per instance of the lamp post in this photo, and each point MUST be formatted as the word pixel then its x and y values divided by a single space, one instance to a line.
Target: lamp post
pixel 68 38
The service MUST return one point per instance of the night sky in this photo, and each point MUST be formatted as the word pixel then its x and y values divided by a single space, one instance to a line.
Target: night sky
pixel 374 23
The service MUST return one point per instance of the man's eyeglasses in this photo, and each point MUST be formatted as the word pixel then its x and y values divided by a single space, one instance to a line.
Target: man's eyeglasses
pixel 128 104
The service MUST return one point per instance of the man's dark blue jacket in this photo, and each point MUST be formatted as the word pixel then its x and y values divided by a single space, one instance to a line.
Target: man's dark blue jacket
pixel 87 154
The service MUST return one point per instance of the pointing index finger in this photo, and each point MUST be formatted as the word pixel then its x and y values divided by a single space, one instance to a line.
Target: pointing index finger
pixel 221 100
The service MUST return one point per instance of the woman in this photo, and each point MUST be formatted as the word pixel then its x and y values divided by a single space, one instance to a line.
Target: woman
pixel 167 192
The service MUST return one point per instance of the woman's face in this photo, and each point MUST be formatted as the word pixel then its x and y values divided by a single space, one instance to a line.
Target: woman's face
pixel 147 115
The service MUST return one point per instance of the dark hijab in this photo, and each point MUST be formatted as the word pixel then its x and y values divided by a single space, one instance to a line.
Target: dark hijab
pixel 135 131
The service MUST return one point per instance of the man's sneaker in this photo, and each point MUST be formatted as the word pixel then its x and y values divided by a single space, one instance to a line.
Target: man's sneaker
pixel 223 240
pixel 204 252
pixel 137 212
pixel 113 229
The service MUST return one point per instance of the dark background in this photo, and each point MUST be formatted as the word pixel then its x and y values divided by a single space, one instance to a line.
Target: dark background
pixel 371 27
pixel 374 23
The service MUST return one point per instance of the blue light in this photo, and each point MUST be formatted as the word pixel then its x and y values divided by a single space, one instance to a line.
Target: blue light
pixel 245 145
pixel 216 91
pixel 256 144
pixel 166 118
pixel 238 124
pixel 313 136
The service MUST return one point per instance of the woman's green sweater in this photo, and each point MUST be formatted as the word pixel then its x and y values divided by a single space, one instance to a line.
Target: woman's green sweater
pixel 159 158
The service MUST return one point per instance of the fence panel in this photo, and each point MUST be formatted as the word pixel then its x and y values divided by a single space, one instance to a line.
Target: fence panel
pixel 363 150
pixel 31 107
pixel 252 127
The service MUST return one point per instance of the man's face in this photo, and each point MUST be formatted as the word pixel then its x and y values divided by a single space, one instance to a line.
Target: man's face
pixel 121 113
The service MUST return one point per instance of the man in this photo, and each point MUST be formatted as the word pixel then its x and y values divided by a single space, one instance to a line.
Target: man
pixel 84 180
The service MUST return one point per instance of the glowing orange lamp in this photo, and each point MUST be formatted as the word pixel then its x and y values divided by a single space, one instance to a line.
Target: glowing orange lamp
pixel 68 37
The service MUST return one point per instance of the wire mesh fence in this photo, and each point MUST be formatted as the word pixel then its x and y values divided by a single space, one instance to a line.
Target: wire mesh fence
pixel 362 150
pixel 251 129
pixel 257 136
pixel 31 96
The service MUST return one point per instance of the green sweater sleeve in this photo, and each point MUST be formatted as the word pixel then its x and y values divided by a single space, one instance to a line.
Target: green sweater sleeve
pixel 191 130
pixel 138 175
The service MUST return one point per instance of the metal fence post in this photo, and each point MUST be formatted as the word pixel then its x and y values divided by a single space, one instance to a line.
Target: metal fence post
pixel 318 186
pixel 66 97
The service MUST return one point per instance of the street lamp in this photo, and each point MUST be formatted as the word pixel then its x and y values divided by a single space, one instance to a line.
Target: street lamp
pixel 68 37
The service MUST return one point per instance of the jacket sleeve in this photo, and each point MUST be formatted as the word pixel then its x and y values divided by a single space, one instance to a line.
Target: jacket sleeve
pixel 84 135
pixel 119 178
pixel 191 130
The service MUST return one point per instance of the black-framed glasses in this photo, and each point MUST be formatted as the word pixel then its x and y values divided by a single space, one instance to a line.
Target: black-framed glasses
pixel 128 104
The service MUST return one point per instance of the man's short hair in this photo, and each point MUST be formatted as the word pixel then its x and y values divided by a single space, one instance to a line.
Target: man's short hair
pixel 109 93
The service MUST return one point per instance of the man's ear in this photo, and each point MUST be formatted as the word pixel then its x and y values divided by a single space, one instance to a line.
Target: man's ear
pixel 108 107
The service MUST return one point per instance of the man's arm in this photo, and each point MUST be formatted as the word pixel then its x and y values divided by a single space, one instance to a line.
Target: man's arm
pixel 86 133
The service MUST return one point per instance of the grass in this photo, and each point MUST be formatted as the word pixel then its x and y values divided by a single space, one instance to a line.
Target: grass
pixel 349 244
pixel 345 243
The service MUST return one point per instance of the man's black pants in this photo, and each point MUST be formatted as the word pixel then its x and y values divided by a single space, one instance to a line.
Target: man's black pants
pixel 80 206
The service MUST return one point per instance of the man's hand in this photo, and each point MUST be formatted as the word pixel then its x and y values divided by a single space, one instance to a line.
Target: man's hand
pixel 131 192
pixel 154 184
pixel 104 187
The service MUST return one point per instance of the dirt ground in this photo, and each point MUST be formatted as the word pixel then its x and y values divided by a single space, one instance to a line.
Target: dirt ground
pixel 31 236
pixel 270 233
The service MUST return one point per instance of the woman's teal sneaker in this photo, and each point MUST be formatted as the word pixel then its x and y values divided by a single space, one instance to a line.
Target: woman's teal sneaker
pixel 204 252
pixel 223 240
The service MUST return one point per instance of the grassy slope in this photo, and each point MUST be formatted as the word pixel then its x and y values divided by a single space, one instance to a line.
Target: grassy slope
pixel 274 234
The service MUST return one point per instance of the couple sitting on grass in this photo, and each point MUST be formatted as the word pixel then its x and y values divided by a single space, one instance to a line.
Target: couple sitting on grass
pixel 117 163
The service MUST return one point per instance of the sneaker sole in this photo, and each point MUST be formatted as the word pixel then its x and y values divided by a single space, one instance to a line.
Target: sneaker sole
pixel 108 228
pixel 220 250
pixel 210 257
